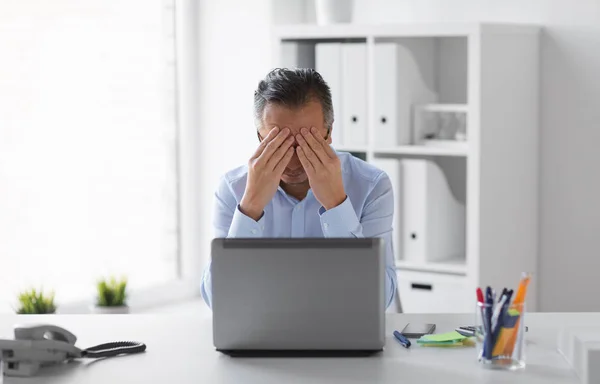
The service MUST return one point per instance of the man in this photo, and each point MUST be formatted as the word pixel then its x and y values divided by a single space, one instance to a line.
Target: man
pixel 295 184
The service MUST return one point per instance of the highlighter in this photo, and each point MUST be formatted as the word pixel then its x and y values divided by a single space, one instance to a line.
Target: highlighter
pixel 507 331
pixel 519 300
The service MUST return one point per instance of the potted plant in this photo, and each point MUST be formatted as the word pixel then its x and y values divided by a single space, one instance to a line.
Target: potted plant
pixel 111 296
pixel 35 302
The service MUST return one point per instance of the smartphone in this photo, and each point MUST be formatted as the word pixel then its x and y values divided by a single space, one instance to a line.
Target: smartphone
pixel 416 330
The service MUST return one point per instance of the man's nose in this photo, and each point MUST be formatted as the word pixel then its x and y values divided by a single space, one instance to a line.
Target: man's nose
pixel 294 163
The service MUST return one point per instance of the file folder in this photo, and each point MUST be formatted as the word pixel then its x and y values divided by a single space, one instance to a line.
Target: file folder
pixel 392 114
pixel 433 219
pixel 354 99
pixel 297 55
pixel 328 62
pixel 403 76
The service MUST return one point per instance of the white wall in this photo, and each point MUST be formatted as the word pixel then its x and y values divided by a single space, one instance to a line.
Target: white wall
pixel 235 53
pixel 570 129
pixel 570 115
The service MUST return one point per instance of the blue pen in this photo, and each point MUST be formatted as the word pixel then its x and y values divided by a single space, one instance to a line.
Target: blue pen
pixel 488 319
pixel 402 339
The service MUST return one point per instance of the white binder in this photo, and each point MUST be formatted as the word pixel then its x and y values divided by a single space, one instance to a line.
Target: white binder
pixel 386 97
pixel 392 167
pixel 433 220
pixel 400 82
pixel 354 99
pixel 328 62
pixel 297 55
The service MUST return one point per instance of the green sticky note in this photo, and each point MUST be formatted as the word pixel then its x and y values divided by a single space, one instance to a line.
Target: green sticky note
pixel 443 337
pixel 440 343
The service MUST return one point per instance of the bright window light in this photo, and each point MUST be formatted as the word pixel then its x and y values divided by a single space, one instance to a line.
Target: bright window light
pixel 88 171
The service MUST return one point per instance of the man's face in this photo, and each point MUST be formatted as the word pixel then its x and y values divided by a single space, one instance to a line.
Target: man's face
pixel 307 116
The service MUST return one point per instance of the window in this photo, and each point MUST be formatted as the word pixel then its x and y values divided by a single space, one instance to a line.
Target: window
pixel 88 146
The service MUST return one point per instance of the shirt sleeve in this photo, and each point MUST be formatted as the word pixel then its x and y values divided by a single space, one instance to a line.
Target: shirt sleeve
pixel 376 221
pixel 228 222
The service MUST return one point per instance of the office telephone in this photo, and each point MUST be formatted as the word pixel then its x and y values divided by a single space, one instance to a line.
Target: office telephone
pixel 38 345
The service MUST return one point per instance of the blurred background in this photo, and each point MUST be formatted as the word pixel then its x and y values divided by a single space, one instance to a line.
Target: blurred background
pixel 117 119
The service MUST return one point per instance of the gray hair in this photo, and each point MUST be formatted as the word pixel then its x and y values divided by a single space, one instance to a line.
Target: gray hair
pixel 293 88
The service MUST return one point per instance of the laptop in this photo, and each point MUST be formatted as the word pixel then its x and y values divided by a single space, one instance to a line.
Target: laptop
pixel 273 296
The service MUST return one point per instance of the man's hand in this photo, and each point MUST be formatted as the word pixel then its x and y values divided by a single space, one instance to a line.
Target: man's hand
pixel 264 171
pixel 323 168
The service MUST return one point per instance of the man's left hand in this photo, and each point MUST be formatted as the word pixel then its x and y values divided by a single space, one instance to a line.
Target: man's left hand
pixel 323 168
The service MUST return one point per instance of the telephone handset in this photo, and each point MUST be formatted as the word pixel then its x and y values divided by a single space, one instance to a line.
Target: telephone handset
pixel 37 345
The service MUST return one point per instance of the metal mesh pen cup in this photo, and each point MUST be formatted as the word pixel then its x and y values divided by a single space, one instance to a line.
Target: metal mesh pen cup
pixel 500 335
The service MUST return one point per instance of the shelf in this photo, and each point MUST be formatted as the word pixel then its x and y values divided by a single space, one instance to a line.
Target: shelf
pixel 460 150
pixel 343 148
pixel 461 108
pixel 455 267
pixel 342 31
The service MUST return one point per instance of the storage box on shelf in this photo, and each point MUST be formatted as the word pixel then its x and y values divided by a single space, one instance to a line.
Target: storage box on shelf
pixel 444 100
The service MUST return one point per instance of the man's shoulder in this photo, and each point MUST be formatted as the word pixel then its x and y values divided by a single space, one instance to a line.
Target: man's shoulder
pixel 233 182
pixel 236 174
pixel 360 169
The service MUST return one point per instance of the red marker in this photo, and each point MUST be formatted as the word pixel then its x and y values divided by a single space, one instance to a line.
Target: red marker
pixel 479 295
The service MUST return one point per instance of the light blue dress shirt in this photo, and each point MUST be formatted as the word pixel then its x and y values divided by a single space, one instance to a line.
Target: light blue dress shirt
pixel 367 212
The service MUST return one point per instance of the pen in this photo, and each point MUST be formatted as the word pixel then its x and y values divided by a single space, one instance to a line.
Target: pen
pixel 496 313
pixel 488 320
pixel 480 300
pixel 479 295
pixel 402 339
pixel 504 292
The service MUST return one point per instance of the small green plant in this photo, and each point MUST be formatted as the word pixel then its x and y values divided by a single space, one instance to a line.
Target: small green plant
pixel 35 302
pixel 111 292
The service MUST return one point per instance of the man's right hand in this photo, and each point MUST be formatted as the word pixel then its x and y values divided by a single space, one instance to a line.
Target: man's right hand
pixel 265 169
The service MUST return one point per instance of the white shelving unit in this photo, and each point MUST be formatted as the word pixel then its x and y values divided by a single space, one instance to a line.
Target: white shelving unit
pixel 444 107
pixel 460 150
pixel 487 72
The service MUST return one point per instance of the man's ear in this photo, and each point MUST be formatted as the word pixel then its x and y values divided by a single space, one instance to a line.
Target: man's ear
pixel 329 130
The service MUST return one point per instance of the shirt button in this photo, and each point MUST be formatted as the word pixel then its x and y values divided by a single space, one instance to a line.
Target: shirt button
pixel 263 227
pixel 254 231
pixel 326 225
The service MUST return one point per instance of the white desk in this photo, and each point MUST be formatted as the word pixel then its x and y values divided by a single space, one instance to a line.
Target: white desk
pixel 180 351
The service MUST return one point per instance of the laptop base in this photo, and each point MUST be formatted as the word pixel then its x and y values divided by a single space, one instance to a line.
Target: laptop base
pixel 287 353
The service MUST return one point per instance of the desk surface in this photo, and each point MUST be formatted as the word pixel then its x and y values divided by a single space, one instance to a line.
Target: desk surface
pixel 180 351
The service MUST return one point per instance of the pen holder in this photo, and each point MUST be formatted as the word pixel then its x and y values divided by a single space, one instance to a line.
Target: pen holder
pixel 500 335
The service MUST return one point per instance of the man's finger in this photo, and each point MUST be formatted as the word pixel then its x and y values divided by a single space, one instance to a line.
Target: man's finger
pixel 261 147
pixel 308 167
pixel 279 153
pixel 328 150
pixel 284 161
pixel 308 152
pixel 273 145
pixel 314 141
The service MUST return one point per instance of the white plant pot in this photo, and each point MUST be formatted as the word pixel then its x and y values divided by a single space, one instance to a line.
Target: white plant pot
pixel 334 11
pixel 110 310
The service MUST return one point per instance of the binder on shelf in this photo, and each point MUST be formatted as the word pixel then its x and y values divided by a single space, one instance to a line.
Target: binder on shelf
pixel 401 81
pixel 297 55
pixel 433 227
pixel 354 99
pixel 389 130
pixel 328 62
pixel 392 167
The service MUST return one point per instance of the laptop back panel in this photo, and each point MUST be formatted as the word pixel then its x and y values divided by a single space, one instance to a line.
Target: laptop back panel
pixel 298 294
